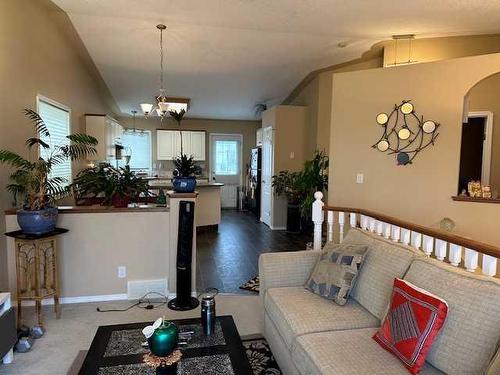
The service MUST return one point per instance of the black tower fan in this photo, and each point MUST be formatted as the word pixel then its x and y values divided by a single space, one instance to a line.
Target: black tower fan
pixel 183 300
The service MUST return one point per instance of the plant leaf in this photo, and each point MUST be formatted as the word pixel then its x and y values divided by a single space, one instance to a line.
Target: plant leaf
pixel 30 142
pixel 35 118
pixel 13 159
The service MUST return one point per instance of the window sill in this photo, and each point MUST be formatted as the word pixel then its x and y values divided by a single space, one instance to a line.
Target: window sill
pixel 475 200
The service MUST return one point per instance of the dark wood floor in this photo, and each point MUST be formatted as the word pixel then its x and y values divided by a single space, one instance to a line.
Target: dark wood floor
pixel 227 259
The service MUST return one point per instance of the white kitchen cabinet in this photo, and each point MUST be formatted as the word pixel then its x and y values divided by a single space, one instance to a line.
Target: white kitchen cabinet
pixel 108 133
pixel 169 144
pixel 258 137
pixel 197 145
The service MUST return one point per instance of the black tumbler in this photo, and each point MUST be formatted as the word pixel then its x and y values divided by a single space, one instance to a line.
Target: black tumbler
pixel 208 311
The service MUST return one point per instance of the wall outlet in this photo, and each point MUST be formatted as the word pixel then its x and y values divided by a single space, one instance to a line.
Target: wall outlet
pixel 360 178
pixel 292 155
pixel 122 272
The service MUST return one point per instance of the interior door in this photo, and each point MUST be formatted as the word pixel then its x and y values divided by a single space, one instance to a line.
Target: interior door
pixel 226 166
pixel 267 173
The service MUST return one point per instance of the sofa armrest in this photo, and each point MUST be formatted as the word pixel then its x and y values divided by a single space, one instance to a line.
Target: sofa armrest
pixel 285 269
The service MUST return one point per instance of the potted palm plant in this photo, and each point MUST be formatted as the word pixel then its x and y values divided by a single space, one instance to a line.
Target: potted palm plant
pixel 186 169
pixel 34 187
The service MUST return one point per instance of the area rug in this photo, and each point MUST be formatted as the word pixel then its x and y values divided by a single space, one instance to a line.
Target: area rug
pixel 260 357
pixel 252 285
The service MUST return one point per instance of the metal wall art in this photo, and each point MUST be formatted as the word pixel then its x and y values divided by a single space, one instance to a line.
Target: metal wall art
pixel 405 133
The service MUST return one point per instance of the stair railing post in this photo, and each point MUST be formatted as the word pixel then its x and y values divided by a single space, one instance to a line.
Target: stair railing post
pixel 317 218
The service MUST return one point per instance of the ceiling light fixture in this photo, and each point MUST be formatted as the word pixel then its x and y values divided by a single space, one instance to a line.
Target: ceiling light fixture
pixel 405 37
pixel 134 130
pixel 164 104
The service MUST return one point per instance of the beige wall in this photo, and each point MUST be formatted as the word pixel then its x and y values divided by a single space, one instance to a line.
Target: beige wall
pixel 485 96
pixel 41 53
pixel 420 192
pixel 246 128
pixel 317 97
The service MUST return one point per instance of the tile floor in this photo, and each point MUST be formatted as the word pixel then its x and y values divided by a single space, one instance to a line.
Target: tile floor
pixel 227 259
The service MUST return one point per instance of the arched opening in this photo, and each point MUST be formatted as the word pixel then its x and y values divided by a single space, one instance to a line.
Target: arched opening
pixel 479 175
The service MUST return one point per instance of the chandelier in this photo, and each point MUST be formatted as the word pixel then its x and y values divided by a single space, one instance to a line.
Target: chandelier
pixel 164 104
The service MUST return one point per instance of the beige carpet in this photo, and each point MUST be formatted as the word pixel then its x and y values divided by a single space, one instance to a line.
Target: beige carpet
pixel 55 353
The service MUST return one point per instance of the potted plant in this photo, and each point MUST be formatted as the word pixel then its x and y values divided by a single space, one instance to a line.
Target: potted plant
pixel 112 186
pixel 314 178
pixel 289 184
pixel 34 187
pixel 299 188
pixel 186 169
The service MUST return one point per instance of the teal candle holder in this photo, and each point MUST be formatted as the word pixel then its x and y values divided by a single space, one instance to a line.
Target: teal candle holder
pixel 164 339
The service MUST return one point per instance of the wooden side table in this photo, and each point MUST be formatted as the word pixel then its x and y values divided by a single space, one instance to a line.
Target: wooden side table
pixel 36 270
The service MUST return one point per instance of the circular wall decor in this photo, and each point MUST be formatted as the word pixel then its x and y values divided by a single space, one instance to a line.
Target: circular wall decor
pixel 382 118
pixel 405 133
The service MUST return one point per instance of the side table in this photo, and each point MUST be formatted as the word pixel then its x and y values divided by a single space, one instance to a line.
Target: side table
pixel 36 270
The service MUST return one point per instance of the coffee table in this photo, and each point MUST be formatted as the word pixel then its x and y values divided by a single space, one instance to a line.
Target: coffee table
pixel 117 350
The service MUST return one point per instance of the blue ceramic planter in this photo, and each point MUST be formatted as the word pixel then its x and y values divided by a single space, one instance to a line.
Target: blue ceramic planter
pixel 37 222
pixel 184 184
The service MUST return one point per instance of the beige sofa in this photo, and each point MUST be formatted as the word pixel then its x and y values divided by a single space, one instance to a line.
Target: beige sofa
pixel 311 335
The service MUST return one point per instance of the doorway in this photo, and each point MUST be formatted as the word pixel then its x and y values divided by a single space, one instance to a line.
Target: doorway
pixel 226 166
pixel 475 156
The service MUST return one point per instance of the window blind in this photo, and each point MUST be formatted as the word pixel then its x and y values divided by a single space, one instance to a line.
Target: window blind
pixel 140 147
pixel 57 121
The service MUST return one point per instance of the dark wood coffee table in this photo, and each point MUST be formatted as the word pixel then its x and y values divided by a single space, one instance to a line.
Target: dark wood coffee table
pixel 116 349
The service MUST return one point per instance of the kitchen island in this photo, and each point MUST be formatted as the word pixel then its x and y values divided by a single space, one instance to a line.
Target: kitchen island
pixel 208 202
pixel 113 253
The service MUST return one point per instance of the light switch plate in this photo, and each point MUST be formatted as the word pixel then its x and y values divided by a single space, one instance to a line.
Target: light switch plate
pixel 122 272
pixel 360 178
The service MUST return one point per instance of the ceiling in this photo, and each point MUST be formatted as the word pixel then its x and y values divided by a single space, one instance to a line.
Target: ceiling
pixel 228 55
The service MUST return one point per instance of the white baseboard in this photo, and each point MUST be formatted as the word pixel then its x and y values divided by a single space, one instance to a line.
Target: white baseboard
pixel 278 228
pixel 79 299
pixel 87 299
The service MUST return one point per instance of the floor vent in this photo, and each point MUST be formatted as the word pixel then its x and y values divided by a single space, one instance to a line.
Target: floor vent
pixel 136 289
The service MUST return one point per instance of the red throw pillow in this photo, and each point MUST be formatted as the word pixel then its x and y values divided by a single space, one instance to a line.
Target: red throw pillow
pixel 414 318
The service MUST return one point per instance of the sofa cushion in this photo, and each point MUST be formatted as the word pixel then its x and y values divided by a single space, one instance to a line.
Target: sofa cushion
pixel 384 261
pixel 414 319
pixel 335 272
pixel 469 337
pixel 350 352
pixel 296 311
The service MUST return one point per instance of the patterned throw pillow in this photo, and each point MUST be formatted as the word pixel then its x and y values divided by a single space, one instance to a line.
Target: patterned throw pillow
pixel 414 319
pixel 335 273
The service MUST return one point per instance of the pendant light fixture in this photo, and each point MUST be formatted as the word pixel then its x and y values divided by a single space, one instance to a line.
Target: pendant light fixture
pixel 134 130
pixel 406 38
pixel 164 104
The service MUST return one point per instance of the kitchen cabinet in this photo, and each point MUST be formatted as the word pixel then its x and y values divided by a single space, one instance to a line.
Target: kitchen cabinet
pixel 169 144
pixel 108 133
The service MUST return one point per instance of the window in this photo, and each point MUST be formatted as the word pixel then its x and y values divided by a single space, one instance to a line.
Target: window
pixel 56 118
pixel 226 157
pixel 138 145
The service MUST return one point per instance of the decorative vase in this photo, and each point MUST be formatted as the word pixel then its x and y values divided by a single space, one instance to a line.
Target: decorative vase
pixel 37 222
pixel 120 201
pixel 164 339
pixel 184 184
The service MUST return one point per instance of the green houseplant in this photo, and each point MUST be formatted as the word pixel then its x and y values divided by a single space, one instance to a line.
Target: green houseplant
pixel 186 169
pixel 34 188
pixel 109 185
pixel 299 188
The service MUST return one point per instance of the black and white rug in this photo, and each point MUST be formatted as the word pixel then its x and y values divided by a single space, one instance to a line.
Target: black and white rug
pixel 260 357
pixel 252 285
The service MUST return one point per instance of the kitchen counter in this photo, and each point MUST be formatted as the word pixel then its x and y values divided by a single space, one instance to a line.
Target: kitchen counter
pixel 166 183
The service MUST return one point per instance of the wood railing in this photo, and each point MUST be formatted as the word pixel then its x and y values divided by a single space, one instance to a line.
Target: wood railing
pixel 445 246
